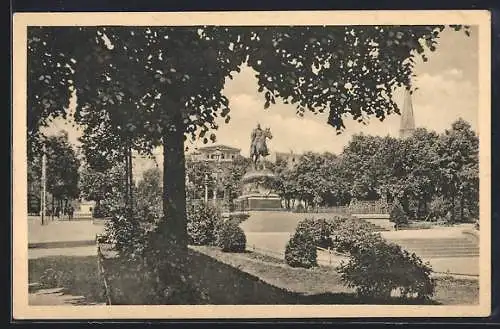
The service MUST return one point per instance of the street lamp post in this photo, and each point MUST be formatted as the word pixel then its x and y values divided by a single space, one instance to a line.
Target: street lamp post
pixel 44 184
pixel 206 188
pixel 217 170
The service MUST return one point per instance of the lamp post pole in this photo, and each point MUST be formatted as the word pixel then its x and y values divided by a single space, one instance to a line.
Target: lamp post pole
pixel 206 188
pixel 44 184
pixel 217 158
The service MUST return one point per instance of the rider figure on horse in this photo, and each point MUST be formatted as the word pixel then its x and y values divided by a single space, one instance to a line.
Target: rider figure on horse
pixel 258 146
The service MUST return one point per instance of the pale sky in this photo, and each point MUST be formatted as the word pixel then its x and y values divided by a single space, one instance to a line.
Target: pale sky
pixel 447 89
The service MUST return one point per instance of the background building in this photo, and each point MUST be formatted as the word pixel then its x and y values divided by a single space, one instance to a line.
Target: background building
pixel 214 153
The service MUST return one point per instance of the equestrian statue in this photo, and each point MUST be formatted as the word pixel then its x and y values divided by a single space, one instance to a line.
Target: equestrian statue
pixel 258 146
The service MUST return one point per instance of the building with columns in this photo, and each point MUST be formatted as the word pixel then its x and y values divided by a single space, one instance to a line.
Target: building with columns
pixel 214 153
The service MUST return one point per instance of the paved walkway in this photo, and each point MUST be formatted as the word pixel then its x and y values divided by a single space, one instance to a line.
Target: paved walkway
pixel 57 233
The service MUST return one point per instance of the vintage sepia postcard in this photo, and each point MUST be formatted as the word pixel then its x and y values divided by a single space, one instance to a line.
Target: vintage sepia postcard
pixel 251 165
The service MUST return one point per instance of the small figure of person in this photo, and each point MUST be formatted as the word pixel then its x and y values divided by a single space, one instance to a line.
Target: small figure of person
pixel 71 211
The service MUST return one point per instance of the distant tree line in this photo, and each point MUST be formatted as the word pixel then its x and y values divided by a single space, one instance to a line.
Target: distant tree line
pixel 62 174
pixel 430 174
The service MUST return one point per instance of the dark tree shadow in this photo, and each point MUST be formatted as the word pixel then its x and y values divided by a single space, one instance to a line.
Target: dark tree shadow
pixel 73 275
pixel 228 285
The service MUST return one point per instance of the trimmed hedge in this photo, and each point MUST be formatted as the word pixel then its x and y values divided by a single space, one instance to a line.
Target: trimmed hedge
pixel 202 221
pixel 375 268
pixel 300 250
pixel 320 230
pixel 100 211
pixel 230 237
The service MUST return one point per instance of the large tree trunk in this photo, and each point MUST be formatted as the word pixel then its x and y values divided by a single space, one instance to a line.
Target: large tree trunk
pixel 174 195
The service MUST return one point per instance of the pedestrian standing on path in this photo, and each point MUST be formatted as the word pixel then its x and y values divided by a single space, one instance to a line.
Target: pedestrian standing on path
pixel 71 211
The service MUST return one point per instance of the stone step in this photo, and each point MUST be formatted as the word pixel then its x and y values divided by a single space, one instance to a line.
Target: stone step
pixel 436 243
pixel 445 255
pixel 439 247
pixel 458 249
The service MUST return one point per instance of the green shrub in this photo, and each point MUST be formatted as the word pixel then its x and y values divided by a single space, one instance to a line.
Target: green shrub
pixel 300 250
pixel 319 229
pixel 377 268
pixel 299 209
pixel 127 232
pixel 439 207
pixel 230 237
pixel 202 221
pixel 348 233
pixel 100 211
pixel 398 216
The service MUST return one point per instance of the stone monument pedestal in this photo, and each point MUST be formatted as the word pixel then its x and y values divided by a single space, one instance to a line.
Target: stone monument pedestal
pixel 258 192
pixel 258 202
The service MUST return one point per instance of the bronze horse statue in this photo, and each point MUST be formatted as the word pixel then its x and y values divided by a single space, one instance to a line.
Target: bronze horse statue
pixel 258 148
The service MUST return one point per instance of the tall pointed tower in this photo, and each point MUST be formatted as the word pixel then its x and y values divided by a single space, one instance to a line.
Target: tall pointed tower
pixel 407 125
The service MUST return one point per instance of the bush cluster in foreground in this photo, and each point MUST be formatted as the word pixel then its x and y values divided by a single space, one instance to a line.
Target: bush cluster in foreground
pixel 300 250
pixel 375 268
pixel 202 222
pixel 230 237
pixel 155 268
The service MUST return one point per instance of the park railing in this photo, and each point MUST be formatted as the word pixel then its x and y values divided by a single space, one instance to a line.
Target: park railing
pixel 331 254
pixel 101 272
pixel 360 207
pixel 341 210
pixel 369 207
pixel 267 252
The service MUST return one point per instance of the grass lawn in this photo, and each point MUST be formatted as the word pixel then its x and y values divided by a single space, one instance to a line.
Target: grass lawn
pixel 324 284
pixel 76 275
pixel 451 291
pixel 251 278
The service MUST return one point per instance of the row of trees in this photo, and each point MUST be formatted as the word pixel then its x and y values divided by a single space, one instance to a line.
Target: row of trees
pixel 429 173
pixel 227 184
pixel 62 174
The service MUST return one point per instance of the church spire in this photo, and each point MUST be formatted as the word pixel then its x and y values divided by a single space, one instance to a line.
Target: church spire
pixel 407 125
